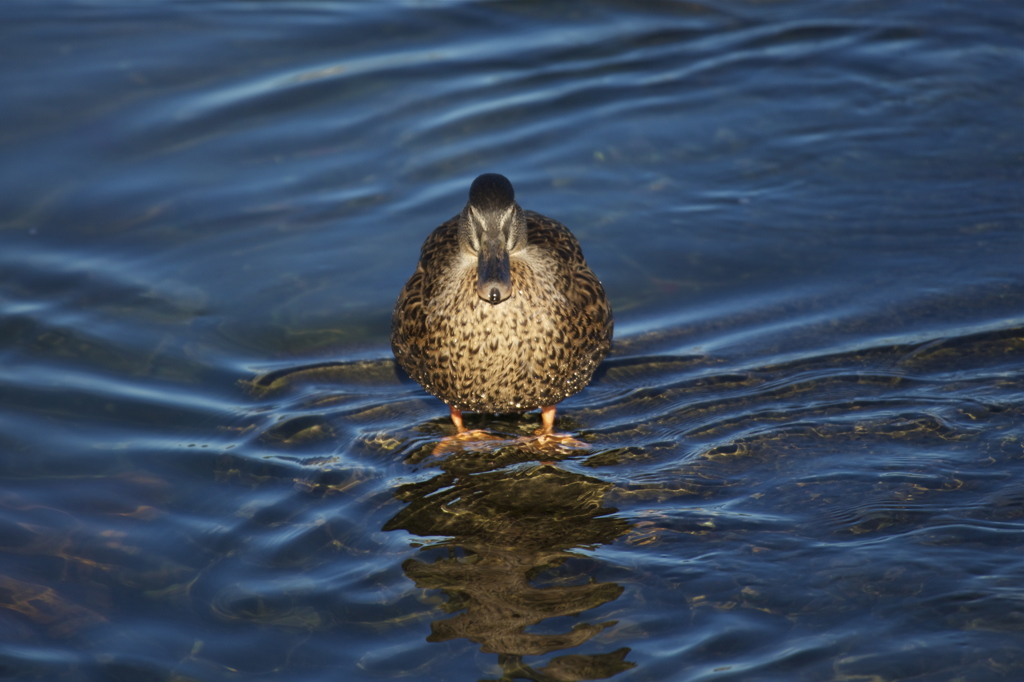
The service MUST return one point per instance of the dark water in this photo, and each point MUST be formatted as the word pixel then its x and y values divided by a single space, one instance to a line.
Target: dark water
pixel 806 451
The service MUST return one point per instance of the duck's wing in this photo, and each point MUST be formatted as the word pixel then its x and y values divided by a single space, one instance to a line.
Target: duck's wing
pixel 579 283
pixel 409 319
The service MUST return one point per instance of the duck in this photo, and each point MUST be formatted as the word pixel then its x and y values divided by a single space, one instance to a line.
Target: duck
pixel 503 314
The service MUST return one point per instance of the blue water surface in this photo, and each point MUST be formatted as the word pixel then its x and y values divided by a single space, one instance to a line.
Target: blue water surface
pixel 805 453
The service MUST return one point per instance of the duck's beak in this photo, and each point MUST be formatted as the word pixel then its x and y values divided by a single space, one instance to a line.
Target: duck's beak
pixel 493 274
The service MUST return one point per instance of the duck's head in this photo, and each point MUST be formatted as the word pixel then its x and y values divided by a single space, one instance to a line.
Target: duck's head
pixel 491 227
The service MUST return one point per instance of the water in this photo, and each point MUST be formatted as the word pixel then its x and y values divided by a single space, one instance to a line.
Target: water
pixel 806 449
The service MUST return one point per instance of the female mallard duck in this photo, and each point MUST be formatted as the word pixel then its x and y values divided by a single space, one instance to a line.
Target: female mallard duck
pixel 502 313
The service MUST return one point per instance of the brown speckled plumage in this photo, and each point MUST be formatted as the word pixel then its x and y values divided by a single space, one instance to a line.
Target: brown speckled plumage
pixel 533 349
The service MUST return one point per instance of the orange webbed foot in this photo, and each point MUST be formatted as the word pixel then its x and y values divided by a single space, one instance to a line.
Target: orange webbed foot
pixel 546 436
pixel 462 437
pixel 465 440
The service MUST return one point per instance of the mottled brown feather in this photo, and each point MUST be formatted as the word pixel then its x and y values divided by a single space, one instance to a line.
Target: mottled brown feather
pixel 532 350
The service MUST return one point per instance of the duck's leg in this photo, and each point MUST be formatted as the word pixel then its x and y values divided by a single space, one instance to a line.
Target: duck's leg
pixel 547 419
pixel 456 419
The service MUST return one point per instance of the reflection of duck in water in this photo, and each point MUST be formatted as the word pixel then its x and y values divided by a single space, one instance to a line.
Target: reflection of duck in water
pixel 508 562
pixel 502 313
